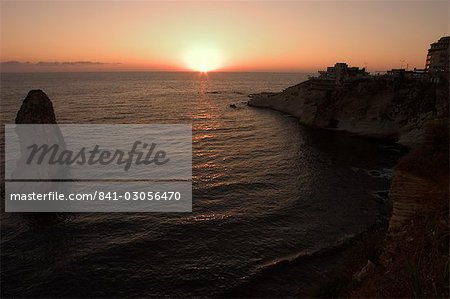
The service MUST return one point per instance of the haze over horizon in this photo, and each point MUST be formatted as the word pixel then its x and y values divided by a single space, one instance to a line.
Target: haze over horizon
pixel 298 36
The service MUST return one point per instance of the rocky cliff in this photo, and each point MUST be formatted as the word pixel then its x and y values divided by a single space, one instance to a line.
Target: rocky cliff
pixel 414 253
pixel 382 107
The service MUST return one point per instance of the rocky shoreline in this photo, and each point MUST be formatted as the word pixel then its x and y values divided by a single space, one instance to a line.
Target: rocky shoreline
pixel 414 257
pixel 405 111
pixel 383 107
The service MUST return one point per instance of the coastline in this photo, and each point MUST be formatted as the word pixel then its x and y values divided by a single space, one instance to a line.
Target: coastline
pixel 416 194
pixel 381 108
pixel 326 259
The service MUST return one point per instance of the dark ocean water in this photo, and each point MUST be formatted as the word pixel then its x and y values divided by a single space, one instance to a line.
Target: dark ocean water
pixel 265 190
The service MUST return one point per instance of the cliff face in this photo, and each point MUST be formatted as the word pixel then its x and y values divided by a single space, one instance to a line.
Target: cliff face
pixel 414 255
pixel 382 107
pixel 414 259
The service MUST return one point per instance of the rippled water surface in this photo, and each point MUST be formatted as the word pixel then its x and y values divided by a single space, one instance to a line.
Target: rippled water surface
pixel 265 189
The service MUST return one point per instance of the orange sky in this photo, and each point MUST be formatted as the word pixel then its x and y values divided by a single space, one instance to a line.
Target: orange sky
pixel 236 36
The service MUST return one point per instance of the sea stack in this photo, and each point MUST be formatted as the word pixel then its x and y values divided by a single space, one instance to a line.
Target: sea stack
pixel 36 108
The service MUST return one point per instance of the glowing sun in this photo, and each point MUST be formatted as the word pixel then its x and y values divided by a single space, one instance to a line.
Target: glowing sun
pixel 203 59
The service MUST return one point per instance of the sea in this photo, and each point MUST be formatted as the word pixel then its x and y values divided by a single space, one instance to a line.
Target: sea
pixel 267 191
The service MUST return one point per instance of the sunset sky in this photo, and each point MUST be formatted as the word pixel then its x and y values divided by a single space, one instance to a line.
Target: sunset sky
pixel 223 36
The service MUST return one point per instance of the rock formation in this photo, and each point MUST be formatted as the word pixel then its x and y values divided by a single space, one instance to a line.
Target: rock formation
pixel 36 125
pixel 382 107
pixel 36 108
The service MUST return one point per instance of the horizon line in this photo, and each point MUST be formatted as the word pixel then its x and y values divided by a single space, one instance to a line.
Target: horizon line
pixel 168 71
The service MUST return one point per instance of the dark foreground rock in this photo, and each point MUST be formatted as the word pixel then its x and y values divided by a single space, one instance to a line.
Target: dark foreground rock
pixel 36 108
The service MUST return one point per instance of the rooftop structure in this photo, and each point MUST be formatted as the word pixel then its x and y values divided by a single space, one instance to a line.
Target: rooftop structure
pixel 338 75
